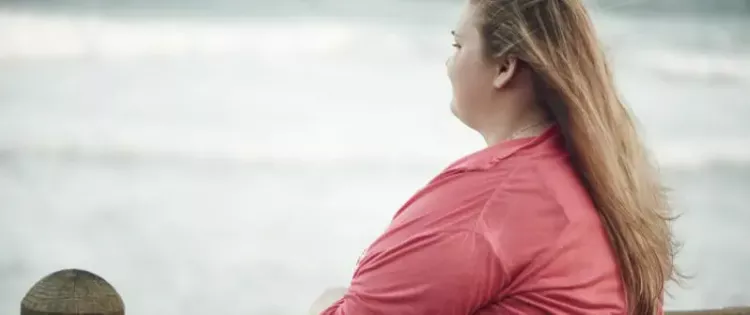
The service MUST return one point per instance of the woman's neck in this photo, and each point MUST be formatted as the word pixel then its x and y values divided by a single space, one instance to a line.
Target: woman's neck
pixel 530 125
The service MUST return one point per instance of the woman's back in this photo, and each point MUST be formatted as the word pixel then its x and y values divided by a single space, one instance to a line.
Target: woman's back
pixel 518 215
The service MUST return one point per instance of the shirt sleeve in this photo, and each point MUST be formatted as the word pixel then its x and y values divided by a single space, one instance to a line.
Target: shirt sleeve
pixel 448 273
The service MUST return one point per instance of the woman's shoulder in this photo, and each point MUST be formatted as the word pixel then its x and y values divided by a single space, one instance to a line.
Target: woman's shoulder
pixel 541 206
pixel 546 186
pixel 523 211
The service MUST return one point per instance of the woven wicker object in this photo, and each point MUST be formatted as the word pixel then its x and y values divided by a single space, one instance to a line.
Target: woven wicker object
pixel 72 292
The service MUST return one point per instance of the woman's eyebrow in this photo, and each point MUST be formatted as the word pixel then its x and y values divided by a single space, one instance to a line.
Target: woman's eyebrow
pixel 453 32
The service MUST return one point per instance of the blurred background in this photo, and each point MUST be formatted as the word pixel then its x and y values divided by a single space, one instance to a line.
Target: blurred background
pixel 236 157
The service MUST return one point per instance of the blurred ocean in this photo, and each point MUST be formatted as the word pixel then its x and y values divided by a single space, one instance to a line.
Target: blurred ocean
pixel 238 162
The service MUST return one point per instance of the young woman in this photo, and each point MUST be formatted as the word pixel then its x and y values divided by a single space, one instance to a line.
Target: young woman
pixel 562 213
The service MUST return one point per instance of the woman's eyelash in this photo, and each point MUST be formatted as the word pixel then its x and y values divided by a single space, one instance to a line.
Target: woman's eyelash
pixel 456 45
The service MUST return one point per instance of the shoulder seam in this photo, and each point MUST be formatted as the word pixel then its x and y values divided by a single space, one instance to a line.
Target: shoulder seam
pixel 504 275
pixel 495 191
pixel 498 189
pixel 547 192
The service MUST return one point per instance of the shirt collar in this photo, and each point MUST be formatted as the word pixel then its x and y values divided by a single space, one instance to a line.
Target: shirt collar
pixel 488 157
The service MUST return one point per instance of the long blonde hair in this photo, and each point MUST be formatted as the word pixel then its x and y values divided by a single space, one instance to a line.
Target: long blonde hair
pixel 556 39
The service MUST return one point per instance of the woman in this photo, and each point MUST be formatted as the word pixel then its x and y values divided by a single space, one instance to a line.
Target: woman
pixel 562 213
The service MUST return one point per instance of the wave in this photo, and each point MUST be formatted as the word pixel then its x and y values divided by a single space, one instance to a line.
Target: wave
pixel 32 36
pixel 679 49
pixel 58 36
pixel 703 156
pixel 344 7
pixel 723 66
pixel 670 158
pixel 50 36
pixel 676 7
pixel 683 64
pixel 410 11
pixel 185 159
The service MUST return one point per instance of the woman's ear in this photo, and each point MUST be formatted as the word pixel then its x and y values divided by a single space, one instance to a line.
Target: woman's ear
pixel 506 69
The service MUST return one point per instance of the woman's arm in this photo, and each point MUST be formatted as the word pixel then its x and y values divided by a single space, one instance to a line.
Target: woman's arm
pixel 326 299
pixel 440 274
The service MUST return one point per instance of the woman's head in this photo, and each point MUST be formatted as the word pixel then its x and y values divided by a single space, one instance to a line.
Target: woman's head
pixel 488 93
pixel 549 47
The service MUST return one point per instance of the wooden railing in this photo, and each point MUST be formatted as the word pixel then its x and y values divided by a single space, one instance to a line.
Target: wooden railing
pixel 725 311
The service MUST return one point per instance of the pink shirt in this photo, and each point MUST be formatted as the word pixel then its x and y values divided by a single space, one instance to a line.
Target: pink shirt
pixel 506 230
